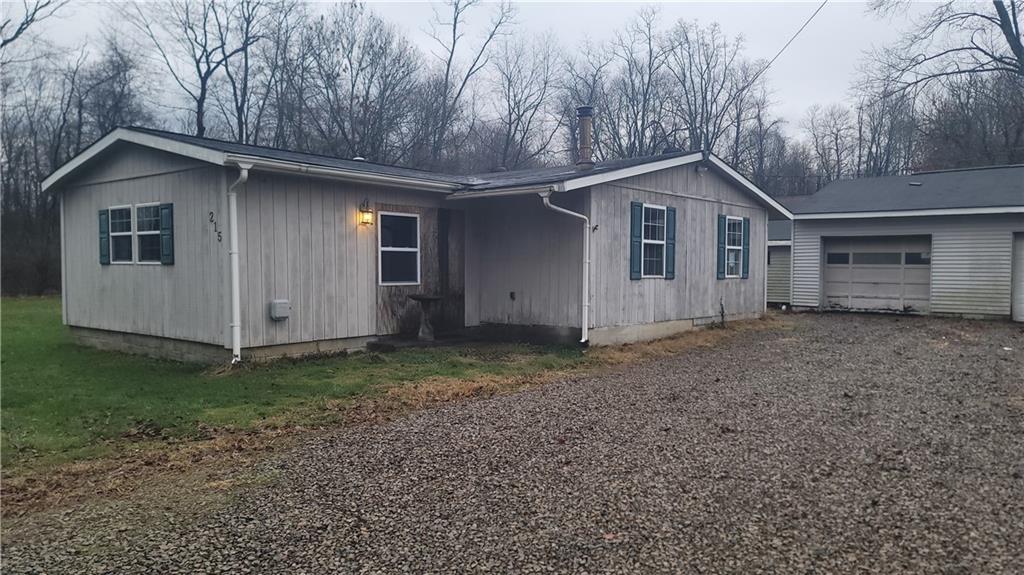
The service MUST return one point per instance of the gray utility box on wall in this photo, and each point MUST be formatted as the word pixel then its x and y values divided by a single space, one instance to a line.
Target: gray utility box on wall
pixel 280 309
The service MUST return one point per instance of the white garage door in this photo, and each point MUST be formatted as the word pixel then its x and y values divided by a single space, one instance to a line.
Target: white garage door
pixel 878 273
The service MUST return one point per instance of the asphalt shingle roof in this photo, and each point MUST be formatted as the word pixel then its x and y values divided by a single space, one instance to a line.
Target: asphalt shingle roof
pixel 991 187
pixel 473 182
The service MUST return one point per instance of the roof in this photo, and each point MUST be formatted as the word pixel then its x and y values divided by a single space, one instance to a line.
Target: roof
pixel 780 230
pixel 300 157
pixel 542 180
pixel 973 190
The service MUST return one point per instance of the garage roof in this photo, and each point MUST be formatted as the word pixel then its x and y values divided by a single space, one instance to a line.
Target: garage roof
pixel 966 190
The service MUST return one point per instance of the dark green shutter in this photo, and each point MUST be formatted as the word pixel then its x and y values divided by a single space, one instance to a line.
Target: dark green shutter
pixel 104 237
pixel 636 242
pixel 721 246
pixel 746 247
pixel 670 243
pixel 167 234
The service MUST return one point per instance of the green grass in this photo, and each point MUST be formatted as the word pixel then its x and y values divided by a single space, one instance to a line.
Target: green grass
pixel 62 402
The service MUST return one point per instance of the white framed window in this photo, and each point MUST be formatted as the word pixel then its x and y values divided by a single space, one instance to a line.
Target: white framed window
pixel 653 241
pixel 398 253
pixel 733 247
pixel 147 232
pixel 121 227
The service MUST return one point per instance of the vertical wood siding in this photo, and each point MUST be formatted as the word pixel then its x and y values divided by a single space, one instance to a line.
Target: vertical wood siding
pixel 778 274
pixel 515 244
pixel 695 292
pixel 181 301
pixel 300 240
pixel 970 260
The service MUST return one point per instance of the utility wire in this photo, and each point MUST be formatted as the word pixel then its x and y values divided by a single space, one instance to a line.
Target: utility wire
pixel 779 53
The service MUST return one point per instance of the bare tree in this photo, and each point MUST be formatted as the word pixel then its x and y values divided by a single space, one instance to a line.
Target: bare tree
pixel 523 89
pixel 832 135
pixel 242 26
pixel 188 41
pixel 13 27
pixel 449 84
pixel 636 120
pixel 954 39
pixel 585 83
pixel 711 81
pixel 365 84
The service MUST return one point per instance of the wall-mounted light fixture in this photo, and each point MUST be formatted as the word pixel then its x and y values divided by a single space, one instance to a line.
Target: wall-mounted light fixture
pixel 365 213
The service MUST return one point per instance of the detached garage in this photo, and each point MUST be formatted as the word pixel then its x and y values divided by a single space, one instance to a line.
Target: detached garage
pixel 938 242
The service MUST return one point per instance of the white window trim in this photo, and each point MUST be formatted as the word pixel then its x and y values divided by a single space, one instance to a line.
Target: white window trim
pixel 381 249
pixel 137 252
pixel 644 241
pixel 111 233
pixel 729 248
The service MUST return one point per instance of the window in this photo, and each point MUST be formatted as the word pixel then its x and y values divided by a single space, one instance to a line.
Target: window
pixel 654 241
pixel 399 242
pixel 147 224
pixel 733 247
pixel 917 258
pixel 877 258
pixel 837 258
pixel 121 234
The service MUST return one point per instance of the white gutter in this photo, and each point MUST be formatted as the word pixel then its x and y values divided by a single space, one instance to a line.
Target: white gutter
pixel 523 191
pixel 585 319
pixel 263 164
pixel 911 213
pixel 236 289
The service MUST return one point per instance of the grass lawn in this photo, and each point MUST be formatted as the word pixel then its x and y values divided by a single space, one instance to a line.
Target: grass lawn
pixel 62 402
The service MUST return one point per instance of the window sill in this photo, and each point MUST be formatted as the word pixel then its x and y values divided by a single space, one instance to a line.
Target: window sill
pixel 394 284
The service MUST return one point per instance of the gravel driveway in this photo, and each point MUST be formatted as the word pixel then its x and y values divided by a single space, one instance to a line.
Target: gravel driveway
pixel 841 444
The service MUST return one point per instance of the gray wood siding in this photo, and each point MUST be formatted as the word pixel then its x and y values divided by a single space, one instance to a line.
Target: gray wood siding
pixel 778 274
pixel 695 292
pixel 181 301
pixel 515 244
pixel 300 240
pixel 970 260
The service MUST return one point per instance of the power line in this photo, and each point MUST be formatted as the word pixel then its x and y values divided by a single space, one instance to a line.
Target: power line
pixel 783 49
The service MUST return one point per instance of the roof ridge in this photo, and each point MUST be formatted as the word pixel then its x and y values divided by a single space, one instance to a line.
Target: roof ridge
pixel 968 169
pixel 287 151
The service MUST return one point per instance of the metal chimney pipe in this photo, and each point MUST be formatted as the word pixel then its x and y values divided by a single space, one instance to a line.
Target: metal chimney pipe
pixel 585 115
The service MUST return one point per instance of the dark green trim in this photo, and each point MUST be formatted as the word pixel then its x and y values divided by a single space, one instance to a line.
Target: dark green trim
pixel 670 243
pixel 167 234
pixel 721 247
pixel 104 237
pixel 746 248
pixel 636 230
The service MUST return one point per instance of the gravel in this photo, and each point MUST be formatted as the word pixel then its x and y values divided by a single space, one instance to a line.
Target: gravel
pixel 845 444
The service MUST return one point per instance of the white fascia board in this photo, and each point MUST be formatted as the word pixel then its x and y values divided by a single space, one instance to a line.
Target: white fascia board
pixel 526 190
pixel 912 213
pixel 263 164
pixel 740 179
pixel 585 181
pixel 779 243
pixel 140 138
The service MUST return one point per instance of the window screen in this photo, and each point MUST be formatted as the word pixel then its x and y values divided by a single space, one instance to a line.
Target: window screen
pixel 917 258
pixel 121 234
pixel 148 223
pixel 654 241
pixel 837 258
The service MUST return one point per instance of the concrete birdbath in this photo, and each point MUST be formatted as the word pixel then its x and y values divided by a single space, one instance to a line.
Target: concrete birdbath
pixel 427 303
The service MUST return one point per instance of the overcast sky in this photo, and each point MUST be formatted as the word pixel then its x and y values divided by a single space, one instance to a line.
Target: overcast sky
pixel 817 68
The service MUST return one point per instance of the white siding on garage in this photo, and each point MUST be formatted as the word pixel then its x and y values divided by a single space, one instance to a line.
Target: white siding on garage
pixel 970 259
pixel 778 274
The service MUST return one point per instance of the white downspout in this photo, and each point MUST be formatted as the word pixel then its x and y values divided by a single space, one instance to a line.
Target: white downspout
pixel 585 320
pixel 236 288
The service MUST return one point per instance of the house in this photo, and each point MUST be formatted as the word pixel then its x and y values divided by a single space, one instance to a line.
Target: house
pixel 200 249
pixel 780 234
pixel 946 242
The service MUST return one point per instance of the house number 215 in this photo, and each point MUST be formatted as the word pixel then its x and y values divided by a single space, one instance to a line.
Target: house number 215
pixel 216 230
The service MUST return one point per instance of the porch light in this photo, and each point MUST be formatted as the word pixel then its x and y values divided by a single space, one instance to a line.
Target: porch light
pixel 365 213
